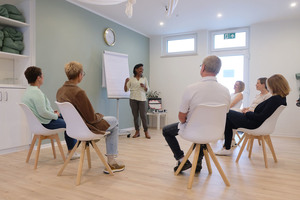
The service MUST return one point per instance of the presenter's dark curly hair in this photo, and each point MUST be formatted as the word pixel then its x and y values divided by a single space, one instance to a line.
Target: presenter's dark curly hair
pixel 136 67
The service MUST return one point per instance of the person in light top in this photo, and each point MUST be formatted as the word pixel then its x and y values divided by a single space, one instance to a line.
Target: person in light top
pixel 138 86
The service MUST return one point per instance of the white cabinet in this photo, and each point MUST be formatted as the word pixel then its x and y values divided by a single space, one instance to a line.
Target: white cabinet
pixel 13 124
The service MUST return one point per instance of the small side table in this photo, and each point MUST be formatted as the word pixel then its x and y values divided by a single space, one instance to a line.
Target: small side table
pixel 158 115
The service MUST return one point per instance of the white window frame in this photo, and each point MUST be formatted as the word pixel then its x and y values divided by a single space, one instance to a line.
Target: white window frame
pixel 237 30
pixel 164 44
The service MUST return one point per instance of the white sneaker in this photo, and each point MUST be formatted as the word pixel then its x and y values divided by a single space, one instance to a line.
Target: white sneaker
pixel 75 156
pixel 224 152
pixel 233 143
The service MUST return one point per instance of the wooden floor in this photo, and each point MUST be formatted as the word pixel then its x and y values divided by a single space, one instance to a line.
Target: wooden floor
pixel 149 174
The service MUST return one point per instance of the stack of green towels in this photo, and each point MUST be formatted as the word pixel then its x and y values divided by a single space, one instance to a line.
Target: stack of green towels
pixel 12 12
pixel 11 40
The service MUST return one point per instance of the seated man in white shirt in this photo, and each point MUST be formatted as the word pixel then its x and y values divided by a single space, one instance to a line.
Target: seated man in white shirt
pixel 206 91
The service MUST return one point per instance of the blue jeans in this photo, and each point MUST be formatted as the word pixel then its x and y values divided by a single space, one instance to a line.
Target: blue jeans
pixel 112 138
pixel 60 123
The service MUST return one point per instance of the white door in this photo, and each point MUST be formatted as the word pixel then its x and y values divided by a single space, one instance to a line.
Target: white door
pixel 234 68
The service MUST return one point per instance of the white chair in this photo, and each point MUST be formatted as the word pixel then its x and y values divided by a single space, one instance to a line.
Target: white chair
pixel 206 125
pixel 41 133
pixel 261 133
pixel 76 128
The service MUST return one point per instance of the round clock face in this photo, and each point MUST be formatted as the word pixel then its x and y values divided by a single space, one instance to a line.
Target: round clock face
pixel 109 37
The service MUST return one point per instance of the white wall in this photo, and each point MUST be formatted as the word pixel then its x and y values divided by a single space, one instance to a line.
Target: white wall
pixel 171 75
pixel 274 48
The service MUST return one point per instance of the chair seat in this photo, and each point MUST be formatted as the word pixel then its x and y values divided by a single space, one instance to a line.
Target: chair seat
pixel 41 133
pixel 261 133
pixel 206 125
pixel 76 128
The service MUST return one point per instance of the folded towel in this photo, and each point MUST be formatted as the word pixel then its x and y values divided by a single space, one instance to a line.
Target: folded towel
pixel 13 12
pixel 10 50
pixel 17 17
pixel 12 33
pixel 16 45
pixel 3 12
pixel 1 38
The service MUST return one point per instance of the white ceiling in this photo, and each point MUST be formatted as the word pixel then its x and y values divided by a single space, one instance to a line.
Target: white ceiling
pixel 193 15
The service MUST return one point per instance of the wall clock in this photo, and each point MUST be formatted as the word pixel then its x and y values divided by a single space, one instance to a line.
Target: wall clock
pixel 109 37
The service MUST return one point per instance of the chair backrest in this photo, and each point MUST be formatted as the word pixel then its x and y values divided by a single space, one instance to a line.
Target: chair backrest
pixel 76 127
pixel 34 124
pixel 268 126
pixel 206 124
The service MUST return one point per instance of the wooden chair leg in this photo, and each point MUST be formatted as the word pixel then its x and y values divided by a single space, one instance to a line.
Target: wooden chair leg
pixel 40 138
pixel 194 165
pixel 213 157
pixel 264 151
pixel 240 141
pixel 60 147
pixel 88 154
pixel 79 171
pixel 251 145
pixel 186 157
pixel 68 159
pixel 269 142
pixel 31 147
pixel 259 142
pixel 102 158
pixel 53 148
pixel 207 160
pixel 237 134
pixel 242 148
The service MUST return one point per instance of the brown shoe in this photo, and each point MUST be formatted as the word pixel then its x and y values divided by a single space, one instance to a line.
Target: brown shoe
pixel 147 135
pixel 137 134
pixel 115 168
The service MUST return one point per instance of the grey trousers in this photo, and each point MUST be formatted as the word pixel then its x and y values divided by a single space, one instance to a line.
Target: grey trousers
pixel 139 108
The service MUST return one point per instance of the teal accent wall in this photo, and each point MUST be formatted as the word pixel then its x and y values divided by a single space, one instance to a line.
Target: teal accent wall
pixel 66 32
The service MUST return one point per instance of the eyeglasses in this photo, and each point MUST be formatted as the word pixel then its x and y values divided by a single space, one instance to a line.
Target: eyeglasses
pixel 83 73
pixel 200 66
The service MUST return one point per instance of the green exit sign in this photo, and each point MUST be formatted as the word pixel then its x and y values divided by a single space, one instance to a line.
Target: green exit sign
pixel 229 36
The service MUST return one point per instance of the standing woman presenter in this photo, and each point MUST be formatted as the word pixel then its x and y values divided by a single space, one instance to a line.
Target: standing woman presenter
pixel 138 86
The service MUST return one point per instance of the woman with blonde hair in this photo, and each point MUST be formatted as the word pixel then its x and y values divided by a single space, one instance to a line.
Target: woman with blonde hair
pixel 237 96
pixel 96 122
pixel 279 88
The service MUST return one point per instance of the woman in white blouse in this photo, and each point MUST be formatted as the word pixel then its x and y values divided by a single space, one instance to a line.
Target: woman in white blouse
pixel 262 96
pixel 237 96
pixel 138 86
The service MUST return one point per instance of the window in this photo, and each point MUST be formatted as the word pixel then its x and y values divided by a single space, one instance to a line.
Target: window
pixel 179 45
pixel 234 39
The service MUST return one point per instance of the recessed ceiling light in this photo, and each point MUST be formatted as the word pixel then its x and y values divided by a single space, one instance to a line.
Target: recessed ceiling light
pixel 219 15
pixel 293 4
pixel 161 23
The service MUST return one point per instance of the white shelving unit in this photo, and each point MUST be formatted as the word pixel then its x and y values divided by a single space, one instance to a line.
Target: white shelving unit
pixel 14 133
